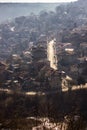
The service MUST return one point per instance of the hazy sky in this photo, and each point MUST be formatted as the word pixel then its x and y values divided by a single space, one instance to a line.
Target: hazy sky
pixel 33 1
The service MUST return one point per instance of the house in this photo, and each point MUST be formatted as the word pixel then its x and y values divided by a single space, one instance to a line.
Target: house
pixel 55 80
pixel 38 53
pixel 2 67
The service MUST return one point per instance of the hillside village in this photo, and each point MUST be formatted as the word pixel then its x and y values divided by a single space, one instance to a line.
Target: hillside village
pixel 25 63
pixel 45 54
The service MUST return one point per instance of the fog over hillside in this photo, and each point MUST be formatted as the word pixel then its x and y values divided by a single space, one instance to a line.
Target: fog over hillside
pixel 11 10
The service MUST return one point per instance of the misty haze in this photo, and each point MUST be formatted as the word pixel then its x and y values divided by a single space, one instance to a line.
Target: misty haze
pixel 8 11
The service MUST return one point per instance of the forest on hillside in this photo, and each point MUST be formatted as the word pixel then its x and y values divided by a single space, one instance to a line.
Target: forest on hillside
pixel 24 66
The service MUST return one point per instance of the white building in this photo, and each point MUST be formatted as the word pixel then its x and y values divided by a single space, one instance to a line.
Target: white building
pixel 51 54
